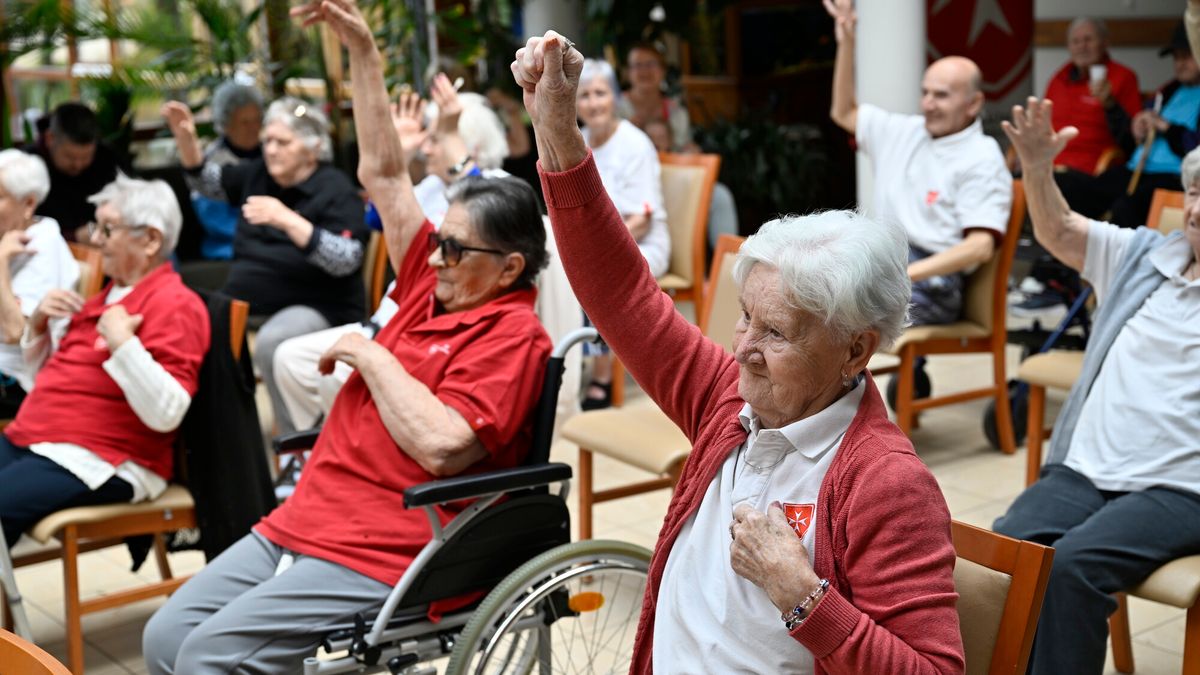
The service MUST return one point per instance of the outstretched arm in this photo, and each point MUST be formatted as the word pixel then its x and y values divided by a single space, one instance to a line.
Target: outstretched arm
pixel 383 162
pixel 1060 230
pixel 844 109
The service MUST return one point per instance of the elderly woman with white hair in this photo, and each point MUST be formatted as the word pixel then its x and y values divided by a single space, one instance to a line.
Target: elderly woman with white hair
pixel 101 421
pixel 34 259
pixel 301 235
pixel 805 535
pixel 628 165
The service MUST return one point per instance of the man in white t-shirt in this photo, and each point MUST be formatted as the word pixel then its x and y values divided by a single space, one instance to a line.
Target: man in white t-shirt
pixel 1120 493
pixel 936 173
pixel 34 258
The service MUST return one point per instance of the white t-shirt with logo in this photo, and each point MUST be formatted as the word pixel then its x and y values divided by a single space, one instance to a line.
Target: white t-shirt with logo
pixel 937 188
pixel 709 619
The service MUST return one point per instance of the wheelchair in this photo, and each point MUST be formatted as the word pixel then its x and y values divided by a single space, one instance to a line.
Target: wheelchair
pixel 547 603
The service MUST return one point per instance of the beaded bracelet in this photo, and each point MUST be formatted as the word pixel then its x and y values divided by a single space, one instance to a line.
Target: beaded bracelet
pixel 800 612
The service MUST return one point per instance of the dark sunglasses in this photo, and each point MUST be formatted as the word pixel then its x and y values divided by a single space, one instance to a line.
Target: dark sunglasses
pixel 452 251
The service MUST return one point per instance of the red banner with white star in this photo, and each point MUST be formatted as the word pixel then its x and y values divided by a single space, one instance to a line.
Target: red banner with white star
pixel 995 34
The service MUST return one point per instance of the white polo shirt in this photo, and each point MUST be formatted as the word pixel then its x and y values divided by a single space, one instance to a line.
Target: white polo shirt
pixel 709 619
pixel 1140 424
pixel 937 188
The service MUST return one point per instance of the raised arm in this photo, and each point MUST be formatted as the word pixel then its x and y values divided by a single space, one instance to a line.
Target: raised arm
pixel 1060 230
pixel 382 163
pixel 844 109
pixel 455 152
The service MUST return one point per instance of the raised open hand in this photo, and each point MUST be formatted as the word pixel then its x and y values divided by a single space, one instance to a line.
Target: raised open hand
pixel 449 106
pixel 343 17
pixel 179 118
pixel 1033 135
pixel 844 17
pixel 408 118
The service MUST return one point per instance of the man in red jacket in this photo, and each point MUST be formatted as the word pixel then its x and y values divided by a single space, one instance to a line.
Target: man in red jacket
pixel 100 424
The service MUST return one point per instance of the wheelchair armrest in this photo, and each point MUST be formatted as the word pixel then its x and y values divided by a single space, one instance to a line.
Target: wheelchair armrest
pixel 295 441
pixel 477 485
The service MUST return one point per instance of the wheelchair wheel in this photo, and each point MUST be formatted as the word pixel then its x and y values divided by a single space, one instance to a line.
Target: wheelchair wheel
pixel 578 601
pixel 1018 404
pixel 922 387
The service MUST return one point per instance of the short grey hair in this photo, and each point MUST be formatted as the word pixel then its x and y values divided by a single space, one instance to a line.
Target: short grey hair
pixel 593 68
pixel 480 129
pixel 849 270
pixel 150 203
pixel 1190 171
pixel 306 120
pixel 1098 24
pixel 23 175
pixel 230 97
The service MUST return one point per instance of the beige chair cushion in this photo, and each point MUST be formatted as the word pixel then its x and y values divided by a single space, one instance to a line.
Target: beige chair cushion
pixel 1170 220
pixel 176 498
pixel 956 330
pixel 639 434
pixel 724 308
pixel 1056 369
pixel 682 187
pixel 1177 583
pixel 673 282
pixel 982 593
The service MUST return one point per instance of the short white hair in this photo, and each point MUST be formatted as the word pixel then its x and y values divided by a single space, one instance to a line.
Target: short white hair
pixel 149 203
pixel 306 120
pixel 849 270
pixel 480 129
pixel 1190 170
pixel 23 175
pixel 593 68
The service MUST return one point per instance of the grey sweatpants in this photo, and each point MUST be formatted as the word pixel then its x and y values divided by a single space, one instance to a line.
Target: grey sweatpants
pixel 237 616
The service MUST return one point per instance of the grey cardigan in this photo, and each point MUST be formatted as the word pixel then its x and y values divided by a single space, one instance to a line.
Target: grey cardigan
pixel 1136 278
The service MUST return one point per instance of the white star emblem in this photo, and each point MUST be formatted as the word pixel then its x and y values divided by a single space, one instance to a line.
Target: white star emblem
pixel 985 12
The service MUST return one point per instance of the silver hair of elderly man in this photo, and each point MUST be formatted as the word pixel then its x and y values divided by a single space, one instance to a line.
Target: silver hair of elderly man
pixel 23 174
pixel 306 120
pixel 480 129
pixel 1100 26
pixel 593 68
pixel 150 203
pixel 230 97
pixel 849 270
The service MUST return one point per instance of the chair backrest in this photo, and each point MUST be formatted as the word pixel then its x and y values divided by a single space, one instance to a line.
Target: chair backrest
pixel 984 300
pixel 687 185
pixel 239 311
pixel 1000 582
pixel 18 655
pixel 91 277
pixel 1166 211
pixel 721 294
pixel 374 270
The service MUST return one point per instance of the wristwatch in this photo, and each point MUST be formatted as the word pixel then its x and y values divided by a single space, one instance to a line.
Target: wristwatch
pixel 458 168
pixel 801 611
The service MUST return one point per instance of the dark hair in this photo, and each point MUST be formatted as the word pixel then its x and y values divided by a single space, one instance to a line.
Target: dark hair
pixel 506 214
pixel 75 122
pixel 647 46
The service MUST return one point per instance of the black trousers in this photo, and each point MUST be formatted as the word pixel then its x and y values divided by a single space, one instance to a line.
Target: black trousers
pixel 1095 196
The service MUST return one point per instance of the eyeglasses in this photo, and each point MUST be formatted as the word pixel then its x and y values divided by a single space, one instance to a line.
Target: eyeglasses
pixel 452 251
pixel 106 228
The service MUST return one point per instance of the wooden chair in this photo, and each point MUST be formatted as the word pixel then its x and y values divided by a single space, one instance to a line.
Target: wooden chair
pixel 21 657
pixel 91 276
pixel 1000 583
pixel 88 528
pixel 642 435
pixel 687 185
pixel 375 269
pixel 1166 211
pixel 982 329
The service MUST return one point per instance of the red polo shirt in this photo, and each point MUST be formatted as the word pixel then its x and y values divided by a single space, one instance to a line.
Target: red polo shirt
pixel 486 363
pixel 1075 106
pixel 75 401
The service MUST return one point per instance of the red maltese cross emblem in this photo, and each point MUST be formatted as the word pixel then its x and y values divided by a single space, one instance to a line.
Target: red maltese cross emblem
pixel 799 516
pixel 931 197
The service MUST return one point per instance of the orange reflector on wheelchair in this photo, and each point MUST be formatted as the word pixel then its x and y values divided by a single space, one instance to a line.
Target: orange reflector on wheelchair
pixel 585 602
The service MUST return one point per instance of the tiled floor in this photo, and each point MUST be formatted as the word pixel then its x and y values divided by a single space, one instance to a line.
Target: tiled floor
pixel 978 482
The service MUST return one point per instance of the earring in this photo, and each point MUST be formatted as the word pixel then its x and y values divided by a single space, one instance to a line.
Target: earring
pixel 846 379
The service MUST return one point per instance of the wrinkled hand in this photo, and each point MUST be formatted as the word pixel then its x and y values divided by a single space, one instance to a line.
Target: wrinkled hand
pixel 1146 120
pixel 766 552
pixel 179 119
pixel 269 211
pixel 56 304
pixel 352 349
pixel 448 103
pixel 547 70
pixel 408 118
pixel 343 18
pixel 117 325
pixel 12 244
pixel 1033 135
pixel 844 17
pixel 1102 91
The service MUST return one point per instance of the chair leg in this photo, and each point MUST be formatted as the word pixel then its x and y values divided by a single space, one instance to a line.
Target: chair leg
pixel 1191 641
pixel 1034 439
pixel 160 556
pixel 618 383
pixel 1118 627
pixel 585 494
pixel 1004 421
pixel 904 391
pixel 74 615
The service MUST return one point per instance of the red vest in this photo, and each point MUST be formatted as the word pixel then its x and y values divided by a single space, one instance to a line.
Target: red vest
pixel 75 401
pixel 1075 106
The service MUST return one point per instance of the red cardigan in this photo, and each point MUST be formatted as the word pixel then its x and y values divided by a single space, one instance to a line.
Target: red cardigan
pixel 883 537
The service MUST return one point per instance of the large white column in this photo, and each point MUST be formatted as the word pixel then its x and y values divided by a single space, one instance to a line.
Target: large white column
pixel 889 62
pixel 564 16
